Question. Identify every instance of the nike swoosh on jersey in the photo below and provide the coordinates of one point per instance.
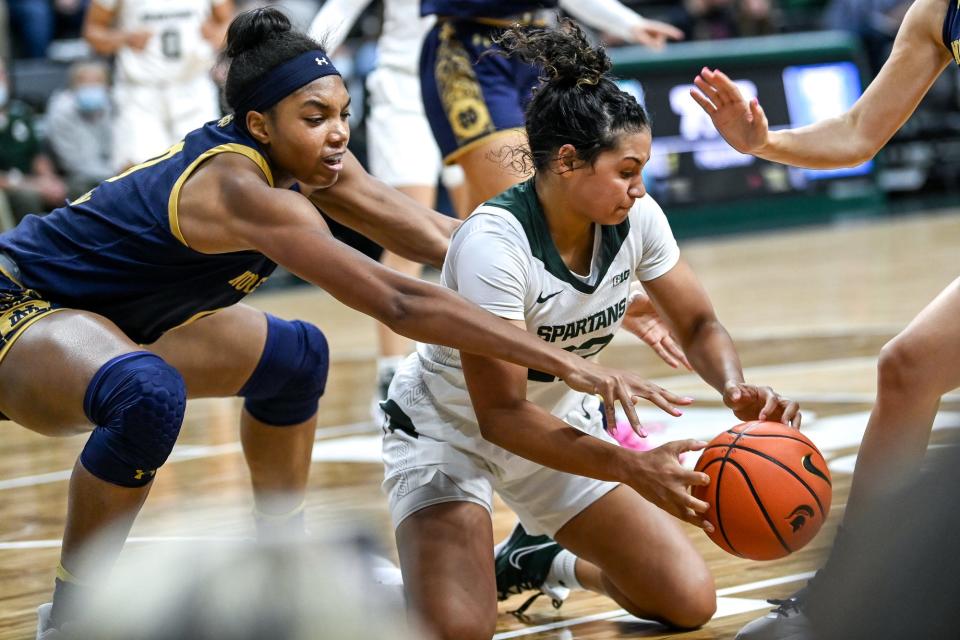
(542, 298)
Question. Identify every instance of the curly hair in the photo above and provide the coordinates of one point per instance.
(577, 101)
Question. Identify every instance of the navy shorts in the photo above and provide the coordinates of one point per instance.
(467, 95)
(19, 307)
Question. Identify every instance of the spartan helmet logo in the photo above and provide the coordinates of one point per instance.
(798, 517)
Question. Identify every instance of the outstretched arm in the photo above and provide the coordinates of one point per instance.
(284, 226)
(918, 57)
(612, 16)
(332, 23)
(682, 300)
(393, 220)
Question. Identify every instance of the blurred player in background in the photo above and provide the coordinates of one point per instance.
(921, 363)
(400, 146)
(165, 51)
(555, 255)
(475, 101)
(331, 586)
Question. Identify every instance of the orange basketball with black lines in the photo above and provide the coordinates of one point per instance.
(769, 490)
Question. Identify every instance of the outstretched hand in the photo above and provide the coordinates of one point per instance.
(619, 386)
(742, 124)
(658, 476)
(751, 402)
(654, 34)
(643, 321)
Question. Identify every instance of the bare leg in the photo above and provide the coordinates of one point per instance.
(279, 459)
(915, 368)
(216, 356)
(446, 556)
(101, 512)
(640, 556)
(487, 169)
(70, 347)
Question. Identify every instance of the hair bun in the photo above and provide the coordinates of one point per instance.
(564, 52)
(253, 28)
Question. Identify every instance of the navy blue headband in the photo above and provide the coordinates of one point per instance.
(283, 80)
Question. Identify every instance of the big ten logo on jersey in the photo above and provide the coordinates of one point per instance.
(620, 278)
(247, 282)
(955, 48)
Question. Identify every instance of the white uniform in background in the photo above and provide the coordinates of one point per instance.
(164, 91)
(400, 144)
(503, 259)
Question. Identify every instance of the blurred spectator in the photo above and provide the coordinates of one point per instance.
(875, 22)
(165, 51)
(69, 17)
(32, 22)
(4, 32)
(706, 19)
(79, 127)
(28, 180)
(758, 18)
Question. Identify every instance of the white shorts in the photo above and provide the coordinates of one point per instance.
(151, 119)
(400, 143)
(422, 471)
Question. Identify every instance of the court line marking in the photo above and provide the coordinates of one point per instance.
(192, 452)
(55, 544)
(607, 615)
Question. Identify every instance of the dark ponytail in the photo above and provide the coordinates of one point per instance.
(577, 101)
(257, 41)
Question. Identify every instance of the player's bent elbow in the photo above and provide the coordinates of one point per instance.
(487, 424)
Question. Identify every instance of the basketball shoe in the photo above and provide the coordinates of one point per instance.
(787, 622)
(522, 563)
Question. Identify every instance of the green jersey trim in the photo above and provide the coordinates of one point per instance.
(521, 201)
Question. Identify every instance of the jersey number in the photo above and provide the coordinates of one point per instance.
(591, 347)
(170, 44)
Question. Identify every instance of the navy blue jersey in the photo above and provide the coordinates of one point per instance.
(951, 30)
(483, 8)
(118, 250)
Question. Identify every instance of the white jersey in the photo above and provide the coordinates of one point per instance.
(177, 50)
(401, 36)
(503, 259)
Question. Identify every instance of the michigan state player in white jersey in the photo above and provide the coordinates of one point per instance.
(165, 51)
(556, 255)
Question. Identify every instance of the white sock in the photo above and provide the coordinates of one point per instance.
(562, 571)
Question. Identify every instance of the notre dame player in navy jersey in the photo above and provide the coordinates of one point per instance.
(122, 253)
(475, 101)
(922, 362)
(183, 237)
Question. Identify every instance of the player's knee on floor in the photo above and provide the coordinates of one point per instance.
(291, 376)
(136, 402)
(468, 626)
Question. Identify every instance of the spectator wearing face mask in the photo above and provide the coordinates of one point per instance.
(28, 181)
(79, 127)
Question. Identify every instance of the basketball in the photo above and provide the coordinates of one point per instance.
(769, 490)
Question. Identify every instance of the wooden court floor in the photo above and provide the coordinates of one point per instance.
(808, 309)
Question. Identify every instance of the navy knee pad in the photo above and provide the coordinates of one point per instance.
(136, 402)
(291, 376)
